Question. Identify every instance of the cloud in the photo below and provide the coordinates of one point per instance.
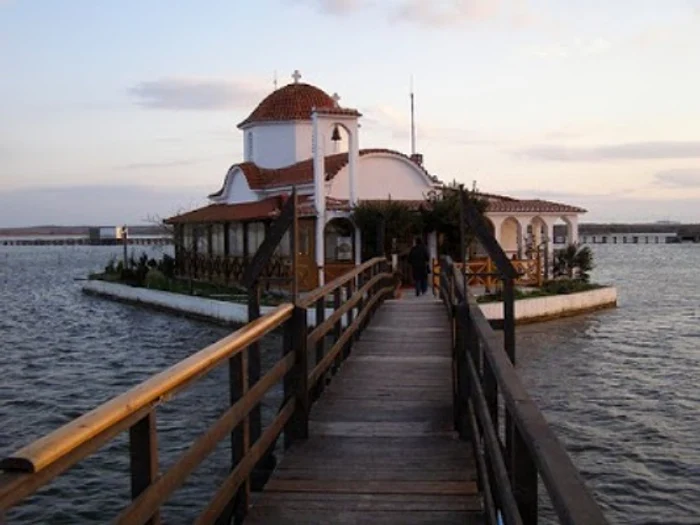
(434, 13)
(161, 164)
(445, 13)
(627, 151)
(398, 123)
(336, 7)
(679, 178)
(198, 93)
(578, 48)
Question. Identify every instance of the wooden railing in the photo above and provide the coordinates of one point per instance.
(483, 272)
(356, 296)
(512, 440)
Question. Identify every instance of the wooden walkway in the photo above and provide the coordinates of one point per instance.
(381, 447)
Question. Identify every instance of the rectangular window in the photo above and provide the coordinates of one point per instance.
(202, 239)
(284, 249)
(235, 239)
(187, 237)
(217, 239)
(256, 236)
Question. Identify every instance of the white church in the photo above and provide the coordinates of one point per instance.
(300, 136)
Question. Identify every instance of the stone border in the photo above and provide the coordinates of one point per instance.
(200, 308)
(540, 309)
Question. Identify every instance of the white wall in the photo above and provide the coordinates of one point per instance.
(539, 308)
(303, 139)
(238, 189)
(200, 307)
(381, 175)
(274, 145)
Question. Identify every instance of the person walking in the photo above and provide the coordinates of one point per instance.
(418, 259)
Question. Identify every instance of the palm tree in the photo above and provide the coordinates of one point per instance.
(574, 262)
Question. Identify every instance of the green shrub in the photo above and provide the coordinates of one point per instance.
(156, 280)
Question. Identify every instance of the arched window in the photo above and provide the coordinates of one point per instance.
(340, 239)
(250, 147)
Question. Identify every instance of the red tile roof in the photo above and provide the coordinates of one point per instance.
(302, 172)
(264, 209)
(510, 205)
(294, 102)
(269, 208)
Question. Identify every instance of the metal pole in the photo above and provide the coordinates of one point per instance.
(462, 237)
(295, 247)
(126, 242)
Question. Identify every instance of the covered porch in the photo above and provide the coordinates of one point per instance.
(215, 244)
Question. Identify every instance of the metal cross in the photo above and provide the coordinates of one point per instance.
(296, 76)
(336, 98)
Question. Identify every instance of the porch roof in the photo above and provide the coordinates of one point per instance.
(510, 205)
(245, 211)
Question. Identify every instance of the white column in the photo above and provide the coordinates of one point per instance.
(432, 245)
(523, 222)
(497, 224)
(353, 161)
(572, 229)
(319, 195)
(550, 235)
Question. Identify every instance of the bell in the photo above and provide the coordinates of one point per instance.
(336, 134)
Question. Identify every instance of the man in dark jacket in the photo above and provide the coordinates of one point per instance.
(419, 258)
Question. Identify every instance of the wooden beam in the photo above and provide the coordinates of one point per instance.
(267, 248)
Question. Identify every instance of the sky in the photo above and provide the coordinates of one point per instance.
(125, 111)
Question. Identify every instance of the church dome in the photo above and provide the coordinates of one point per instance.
(291, 102)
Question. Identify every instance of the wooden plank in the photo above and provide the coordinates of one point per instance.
(458, 488)
(364, 517)
(299, 501)
(381, 446)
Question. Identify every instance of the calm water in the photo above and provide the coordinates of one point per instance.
(619, 387)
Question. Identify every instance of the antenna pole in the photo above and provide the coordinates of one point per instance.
(413, 121)
(275, 80)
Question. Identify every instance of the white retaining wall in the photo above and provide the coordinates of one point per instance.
(218, 311)
(554, 306)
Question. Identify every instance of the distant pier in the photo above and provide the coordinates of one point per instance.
(86, 236)
(84, 241)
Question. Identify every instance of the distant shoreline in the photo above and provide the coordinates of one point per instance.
(63, 231)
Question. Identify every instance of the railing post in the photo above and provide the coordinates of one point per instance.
(238, 382)
(143, 446)
(296, 382)
(266, 465)
(350, 291)
(321, 344)
(523, 476)
(337, 329)
(361, 302)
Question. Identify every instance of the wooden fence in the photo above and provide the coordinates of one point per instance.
(355, 296)
(513, 442)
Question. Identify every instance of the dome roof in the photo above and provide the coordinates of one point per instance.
(291, 102)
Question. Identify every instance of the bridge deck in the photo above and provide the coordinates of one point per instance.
(381, 447)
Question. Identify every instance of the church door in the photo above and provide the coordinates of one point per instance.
(307, 272)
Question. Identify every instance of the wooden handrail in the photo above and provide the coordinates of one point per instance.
(323, 366)
(35, 465)
(323, 328)
(156, 494)
(52, 447)
(323, 291)
(571, 499)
